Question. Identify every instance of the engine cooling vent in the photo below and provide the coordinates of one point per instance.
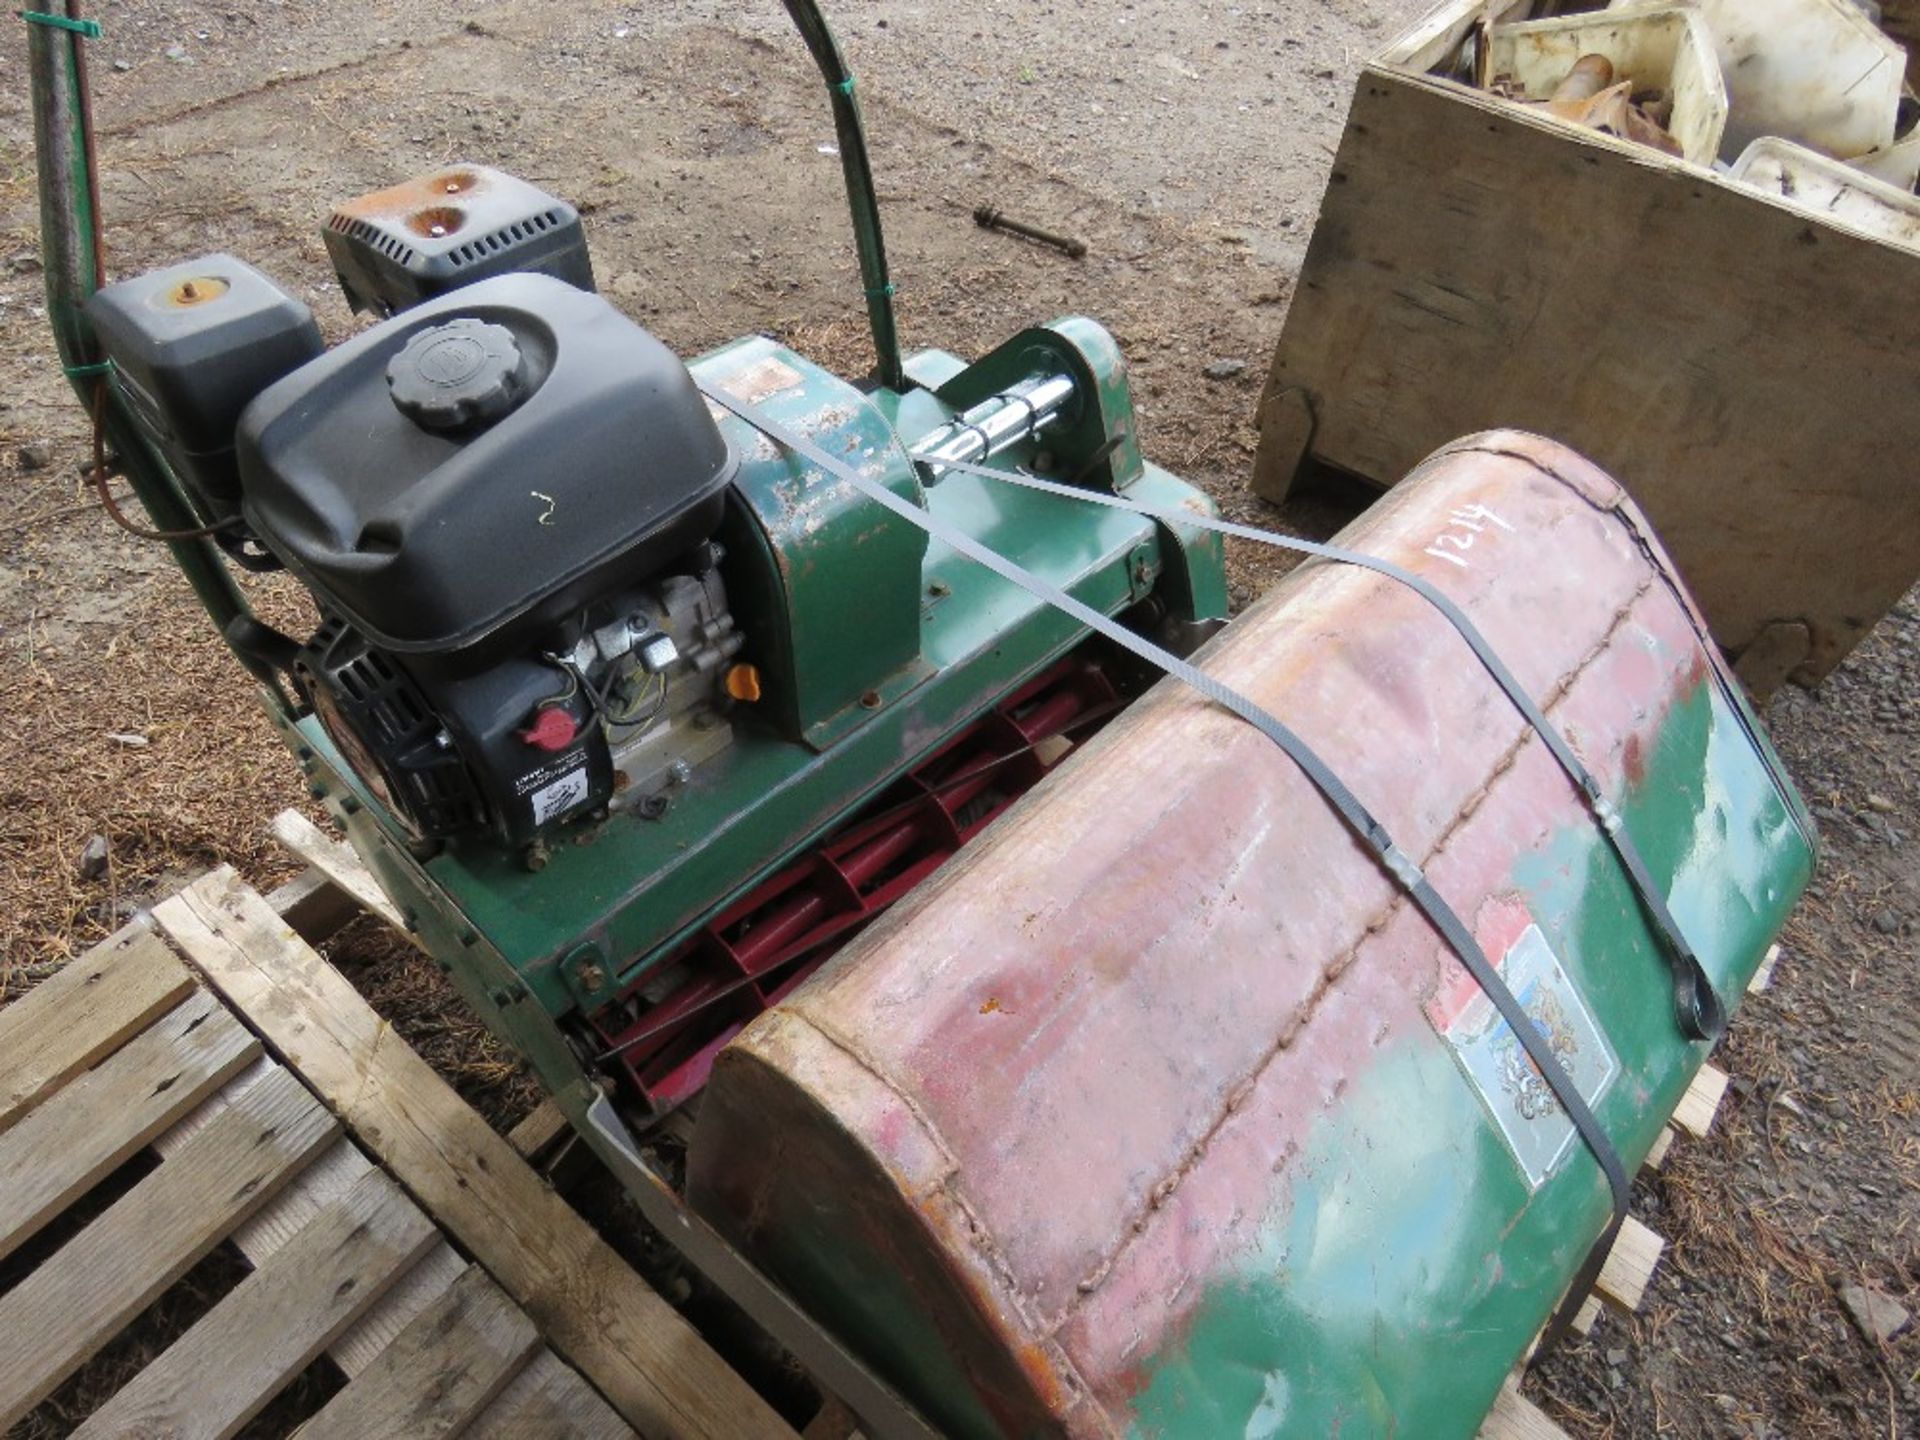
(365, 232)
(504, 240)
(388, 733)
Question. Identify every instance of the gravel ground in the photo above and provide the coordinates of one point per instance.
(1188, 143)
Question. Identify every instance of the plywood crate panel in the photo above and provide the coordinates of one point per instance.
(1744, 367)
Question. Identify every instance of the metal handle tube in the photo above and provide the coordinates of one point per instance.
(861, 199)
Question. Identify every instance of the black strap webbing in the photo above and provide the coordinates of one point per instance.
(1397, 863)
(1697, 1007)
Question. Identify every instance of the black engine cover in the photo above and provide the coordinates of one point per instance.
(526, 474)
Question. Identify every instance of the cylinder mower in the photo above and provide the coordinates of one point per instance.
(756, 745)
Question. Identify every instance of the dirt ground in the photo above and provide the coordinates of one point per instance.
(1188, 142)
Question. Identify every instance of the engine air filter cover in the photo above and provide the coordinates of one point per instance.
(591, 458)
(396, 247)
(191, 345)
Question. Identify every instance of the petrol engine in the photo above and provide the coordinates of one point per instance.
(503, 500)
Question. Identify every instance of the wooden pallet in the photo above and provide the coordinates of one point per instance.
(125, 1050)
(128, 1051)
(649, 1362)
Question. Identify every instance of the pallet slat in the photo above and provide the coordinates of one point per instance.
(225, 1370)
(90, 1126)
(1587, 1316)
(337, 863)
(1697, 1108)
(52, 1321)
(107, 995)
(438, 1373)
(1624, 1278)
(1514, 1417)
(538, 1129)
(547, 1401)
(370, 1335)
(648, 1361)
(328, 1177)
(1662, 1143)
(335, 877)
(1630, 1265)
(336, 1171)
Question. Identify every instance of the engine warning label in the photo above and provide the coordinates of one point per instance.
(556, 787)
(1530, 1119)
(559, 797)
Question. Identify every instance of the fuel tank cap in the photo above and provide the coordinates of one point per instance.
(465, 372)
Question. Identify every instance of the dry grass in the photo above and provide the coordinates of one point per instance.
(185, 787)
(127, 717)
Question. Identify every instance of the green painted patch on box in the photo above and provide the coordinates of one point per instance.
(1405, 1263)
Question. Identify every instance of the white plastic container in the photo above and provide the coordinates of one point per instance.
(1658, 47)
(1830, 189)
(1816, 71)
(1898, 164)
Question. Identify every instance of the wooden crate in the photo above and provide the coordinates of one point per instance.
(1744, 368)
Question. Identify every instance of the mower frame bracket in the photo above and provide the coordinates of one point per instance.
(883, 1413)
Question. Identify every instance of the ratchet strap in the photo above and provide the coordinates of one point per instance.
(1697, 1008)
(1405, 871)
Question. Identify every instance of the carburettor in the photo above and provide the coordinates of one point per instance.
(664, 692)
